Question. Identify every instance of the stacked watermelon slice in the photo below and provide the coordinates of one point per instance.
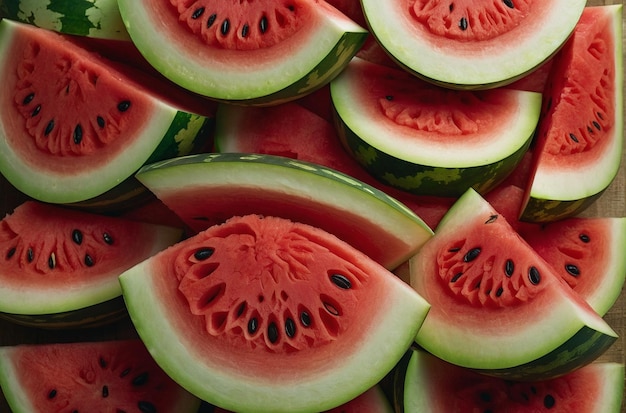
(377, 206)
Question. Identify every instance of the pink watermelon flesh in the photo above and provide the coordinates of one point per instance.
(274, 307)
(444, 387)
(113, 376)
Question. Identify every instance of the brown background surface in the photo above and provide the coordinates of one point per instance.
(612, 203)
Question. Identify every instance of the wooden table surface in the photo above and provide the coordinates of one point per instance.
(612, 203)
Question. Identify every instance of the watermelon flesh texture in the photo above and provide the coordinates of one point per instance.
(58, 260)
(75, 125)
(580, 138)
(304, 312)
(433, 386)
(111, 376)
(248, 53)
(487, 287)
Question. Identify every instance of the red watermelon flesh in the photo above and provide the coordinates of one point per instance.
(112, 376)
(434, 386)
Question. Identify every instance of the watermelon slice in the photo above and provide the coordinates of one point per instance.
(469, 44)
(241, 184)
(430, 140)
(434, 386)
(580, 138)
(262, 314)
(497, 306)
(74, 125)
(258, 53)
(60, 266)
(109, 376)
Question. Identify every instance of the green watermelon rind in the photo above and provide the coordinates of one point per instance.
(555, 195)
(572, 333)
(415, 395)
(490, 64)
(229, 386)
(311, 183)
(305, 70)
(93, 18)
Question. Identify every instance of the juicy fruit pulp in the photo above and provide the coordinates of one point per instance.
(299, 308)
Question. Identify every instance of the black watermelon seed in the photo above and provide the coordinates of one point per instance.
(534, 276)
(30, 254)
(36, 111)
(597, 125)
(600, 115)
(107, 238)
(211, 20)
(272, 332)
(305, 319)
(492, 218)
(244, 30)
(105, 391)
(455, 249)
(100, 121)
(508, 3)
(52, 394)
(89, 260)
(225, 27)
(263, 24)
(549, 401)
(591, 131)
(389, 97)
(52, 261)
(125, 372)
(29, 98)
(77, 236)
(241, 309)
(141, 379)
(584, 238)
(49, 128)
(341, 281)
(456, 277)
(509, 268)
(253, 324)
(572, 269)
(290, 328)
(146, 407)
(472, 254)
(451, 7)
(78, 134)
(573, 137)
(123, 106)
(11, 252)
(197, 13)
(203, 253)
(463, 23)
(499, 292)
(102, 362)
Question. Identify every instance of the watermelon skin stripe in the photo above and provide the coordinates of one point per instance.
(93, 18)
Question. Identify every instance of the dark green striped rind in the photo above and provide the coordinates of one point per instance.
(581, 349)
(92, 18)
(427, 179)
(100, 314)
(548, 210)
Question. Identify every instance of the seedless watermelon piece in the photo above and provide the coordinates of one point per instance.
(430, 140)
(467, 44)
(94, 18)
(269, 315)
(74, 125)
(434, 386)
(207, 189)
(250, 52)
(109, 376)
(580, 137)
(60, 266)
(497, 306)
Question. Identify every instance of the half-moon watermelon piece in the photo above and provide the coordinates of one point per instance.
(263, 314)
(75, 125)
(207, 189)
(107, 376)
(497, 306)
(249, 52)
(60, 266)
(579, 141)
(470, 44)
